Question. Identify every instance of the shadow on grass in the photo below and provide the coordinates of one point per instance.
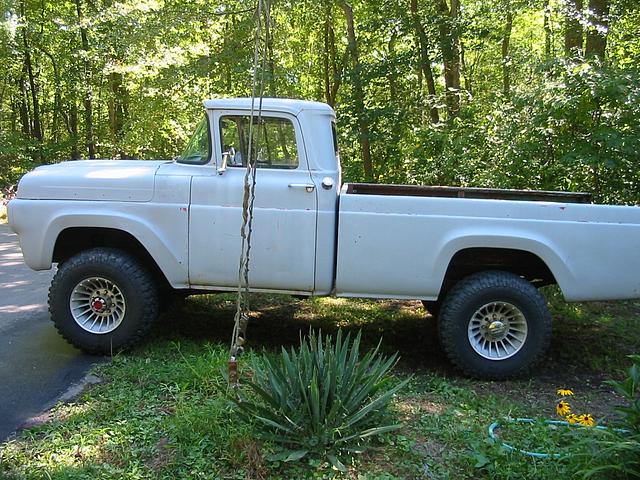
(280, 321)
(595, 338)
(591, 339)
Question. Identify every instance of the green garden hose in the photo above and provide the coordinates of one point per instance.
(496, 425)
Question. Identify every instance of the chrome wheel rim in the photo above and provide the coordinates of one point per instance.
(497, 330)
(97, 305)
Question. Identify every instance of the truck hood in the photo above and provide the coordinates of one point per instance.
(115, 180)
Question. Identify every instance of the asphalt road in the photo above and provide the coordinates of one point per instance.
(36, 365)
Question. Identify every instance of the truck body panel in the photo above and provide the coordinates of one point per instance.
(413, 239)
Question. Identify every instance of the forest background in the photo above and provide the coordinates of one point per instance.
(541, 94)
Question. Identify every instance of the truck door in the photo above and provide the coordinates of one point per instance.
(283, 244)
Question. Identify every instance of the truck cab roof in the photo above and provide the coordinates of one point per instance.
(286, 105)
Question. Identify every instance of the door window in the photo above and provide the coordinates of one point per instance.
(274, 141)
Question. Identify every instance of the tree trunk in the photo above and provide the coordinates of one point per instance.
(547, 29)
(425, 61)
(325, 64)
(118, 100)
(25, 121)
(598, 18)
(118, 106)
(466, 71)
(506, 59)
(573, 28)
(358, 91)
(391, 69)
(88, 93)
(36, 124)
(73, 127)
(271, 64)
(225, 70)
(2, 93)
(57, 97)
(332, 69)
(15, 111)
(450, 46)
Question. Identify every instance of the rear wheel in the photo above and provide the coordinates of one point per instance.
(103, 300)
(494, 325)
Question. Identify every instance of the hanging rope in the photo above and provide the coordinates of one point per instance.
(241, 319)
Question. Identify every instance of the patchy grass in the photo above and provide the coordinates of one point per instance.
(162, 411)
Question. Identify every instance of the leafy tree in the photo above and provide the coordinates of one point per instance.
(524, 93)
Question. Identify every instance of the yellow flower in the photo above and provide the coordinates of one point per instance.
(564, 392)
(563, 408)
(586, 419)
(572, 418)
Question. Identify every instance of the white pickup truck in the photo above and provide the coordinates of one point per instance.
(125, 234)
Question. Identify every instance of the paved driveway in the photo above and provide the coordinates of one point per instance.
(36, 364)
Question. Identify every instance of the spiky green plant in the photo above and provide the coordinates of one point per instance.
(322, 400)
(629, 389)
(616, 454)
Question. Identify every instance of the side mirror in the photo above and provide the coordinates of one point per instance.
(223, 167)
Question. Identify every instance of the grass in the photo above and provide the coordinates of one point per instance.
(161, 412)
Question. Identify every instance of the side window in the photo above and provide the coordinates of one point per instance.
(334, 134)
(274, 141)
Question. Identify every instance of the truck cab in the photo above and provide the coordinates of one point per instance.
(298, 173)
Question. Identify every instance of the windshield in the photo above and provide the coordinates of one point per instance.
(198, 150)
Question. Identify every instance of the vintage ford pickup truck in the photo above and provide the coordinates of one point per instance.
(125, 234)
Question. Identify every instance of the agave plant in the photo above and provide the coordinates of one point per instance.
(322, 399)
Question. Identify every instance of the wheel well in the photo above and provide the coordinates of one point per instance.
(76, 239)
(520, 262)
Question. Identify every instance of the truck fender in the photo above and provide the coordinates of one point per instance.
(541, 247)
(39, 232)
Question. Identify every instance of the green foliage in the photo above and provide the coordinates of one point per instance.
(16, 152)
(322, 400)
(617, 454)
(565, 123)
(629, 389)
(613, 456)
(574, 129)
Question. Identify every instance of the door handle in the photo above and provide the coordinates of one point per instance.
(309, 187)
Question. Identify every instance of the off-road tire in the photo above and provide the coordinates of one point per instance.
(134, 281)
(479, 289)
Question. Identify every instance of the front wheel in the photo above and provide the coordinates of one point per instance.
(103, 300)
(494, 325)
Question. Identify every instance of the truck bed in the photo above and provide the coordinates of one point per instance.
(467, 192)
(399, 245)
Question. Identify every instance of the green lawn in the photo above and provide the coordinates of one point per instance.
(162, 410)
